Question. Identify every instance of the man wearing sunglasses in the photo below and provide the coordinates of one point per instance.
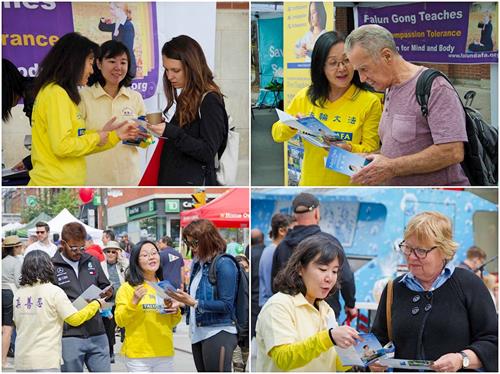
(43, 243)
(75, 272)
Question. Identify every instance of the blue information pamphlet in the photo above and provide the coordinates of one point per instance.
(345, 162)
(315, 126)
(369, 350)
(363, 352)
(310, 128)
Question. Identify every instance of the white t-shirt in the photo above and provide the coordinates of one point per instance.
(39, 314)
(50, 249)
(199, 333)
(73, 264)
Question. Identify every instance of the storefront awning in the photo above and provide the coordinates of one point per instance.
(229, 210)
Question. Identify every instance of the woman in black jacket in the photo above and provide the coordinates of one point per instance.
(198, 130)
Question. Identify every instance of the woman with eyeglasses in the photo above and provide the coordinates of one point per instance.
(338, 99)
(211, 312)
(147, 315)
(438, 312)
(41, 310)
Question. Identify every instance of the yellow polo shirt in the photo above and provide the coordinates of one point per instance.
(355, 115)
(119, 166)
(60, 140)
(286, 319)
(148, 332)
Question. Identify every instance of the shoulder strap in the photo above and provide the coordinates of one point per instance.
(201, 101)
(424, 85)
(212, 270)
(388, 308)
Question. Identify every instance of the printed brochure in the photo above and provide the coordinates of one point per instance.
(92, 292)
(310, 128)
(368, 351)
(345, 162)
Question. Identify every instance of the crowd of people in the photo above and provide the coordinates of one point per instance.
(86, 120)
(439, 311)
(139, 290)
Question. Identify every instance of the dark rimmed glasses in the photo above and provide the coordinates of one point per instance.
(419, 253)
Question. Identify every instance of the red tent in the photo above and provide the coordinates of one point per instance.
(229, 210)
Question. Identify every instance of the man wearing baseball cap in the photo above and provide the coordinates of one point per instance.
(305, 208)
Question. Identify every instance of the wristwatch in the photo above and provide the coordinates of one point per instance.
(465, 360)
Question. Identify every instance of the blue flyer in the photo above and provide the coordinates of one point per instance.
(315, 126)
(345, 162)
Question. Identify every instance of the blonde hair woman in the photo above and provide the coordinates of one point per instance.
(439, 312)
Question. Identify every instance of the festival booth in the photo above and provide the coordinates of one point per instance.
(56, 224)
(229, 210)
(9, 228)
(23, 231)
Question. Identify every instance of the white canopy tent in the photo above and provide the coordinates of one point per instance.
(10, 227)
(56, 224)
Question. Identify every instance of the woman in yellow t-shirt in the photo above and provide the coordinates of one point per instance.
(296, 328)
(60, 139)
(109, 94)
(147, 317)
(339, 100)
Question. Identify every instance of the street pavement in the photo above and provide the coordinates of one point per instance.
(183, 358)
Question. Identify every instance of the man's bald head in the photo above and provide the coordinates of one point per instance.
(256, 237)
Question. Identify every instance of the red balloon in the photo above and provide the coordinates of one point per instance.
(86, 194)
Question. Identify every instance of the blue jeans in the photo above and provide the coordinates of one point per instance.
(94, 351)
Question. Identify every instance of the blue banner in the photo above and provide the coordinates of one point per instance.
(270, 60)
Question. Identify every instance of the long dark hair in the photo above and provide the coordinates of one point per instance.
(320, 9)
(210, 242)
(289, 280)
(134, 275)
(110, 49)
(37, 267)
(319, 89)
(13, 87)
(65, 63)
(198, 76)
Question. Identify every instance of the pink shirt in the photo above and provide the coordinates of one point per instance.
(404, 131)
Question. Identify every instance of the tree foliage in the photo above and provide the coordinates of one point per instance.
(52, 202)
